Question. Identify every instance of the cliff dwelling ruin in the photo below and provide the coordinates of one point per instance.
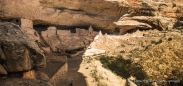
(73, 42)
(59, 46)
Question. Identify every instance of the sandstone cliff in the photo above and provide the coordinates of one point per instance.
(101, 14)
(20, 53)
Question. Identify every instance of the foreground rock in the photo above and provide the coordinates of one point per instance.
(3, 70)
(22, 82)
(19, 52)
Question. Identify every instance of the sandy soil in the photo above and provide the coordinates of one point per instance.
(105, 77)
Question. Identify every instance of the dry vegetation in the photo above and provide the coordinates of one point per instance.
(155, 56)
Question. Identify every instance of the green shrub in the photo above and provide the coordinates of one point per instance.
(154, 42)
(160, 41)
(169, 39)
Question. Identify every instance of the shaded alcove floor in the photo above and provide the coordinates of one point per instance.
(72, 77)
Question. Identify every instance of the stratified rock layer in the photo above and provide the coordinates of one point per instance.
(99, 13)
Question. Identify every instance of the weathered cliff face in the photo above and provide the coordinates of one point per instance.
(18, 52)
(153, 14)
(99, 13)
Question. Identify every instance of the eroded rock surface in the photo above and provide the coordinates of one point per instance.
(3, 70)
(22, 82)
(99, 13)
(158, 52)
(19, 52)
(152, 14)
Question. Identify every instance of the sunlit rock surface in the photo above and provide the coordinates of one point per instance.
(100, 13)
(158, 52)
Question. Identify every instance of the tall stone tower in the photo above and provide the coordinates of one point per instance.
(90, 30)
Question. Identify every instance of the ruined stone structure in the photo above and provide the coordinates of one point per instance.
(63, 32)
(23, 23)
(27, 25)
(59, 73)
(61, 40)
(52, 31)
(90, 30)
(83, 32)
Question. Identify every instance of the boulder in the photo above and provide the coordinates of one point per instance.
(22, 82)
(144, 23)
(21, 53)
(29, 74)
(2, 56)
(131, 24)
(36, 75)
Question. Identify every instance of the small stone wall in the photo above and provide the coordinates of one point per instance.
(63, 32)
(26, 23)
(59, 73)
